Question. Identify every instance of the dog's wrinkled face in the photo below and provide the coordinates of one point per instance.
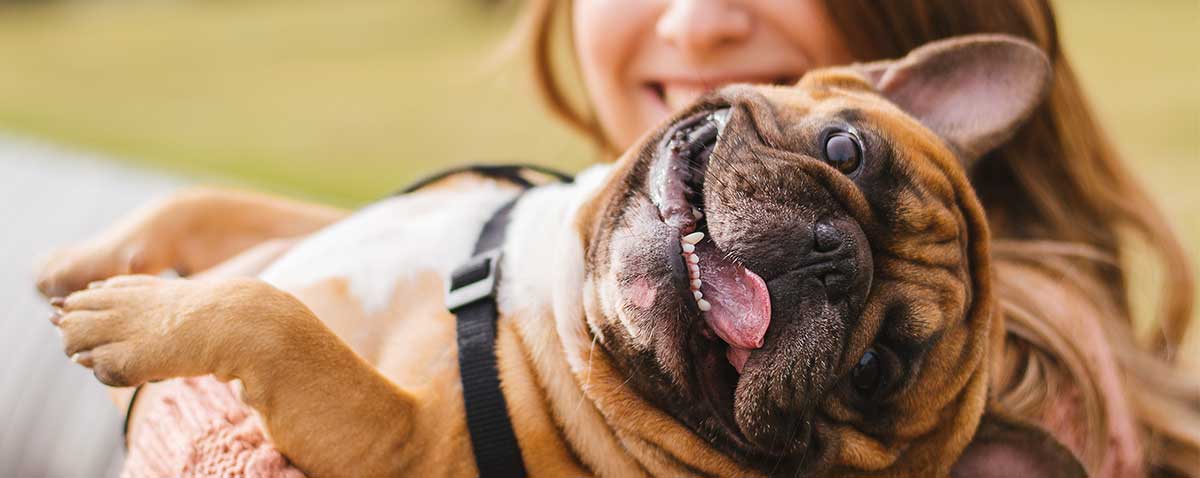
(799, 274)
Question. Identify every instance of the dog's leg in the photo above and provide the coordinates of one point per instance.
(189, 231)
(246, 264)
(326, 408)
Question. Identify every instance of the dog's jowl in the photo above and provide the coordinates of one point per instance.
(779, 281)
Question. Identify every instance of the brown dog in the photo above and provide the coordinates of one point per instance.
(779, 281)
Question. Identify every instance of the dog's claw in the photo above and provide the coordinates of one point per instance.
(83, 358)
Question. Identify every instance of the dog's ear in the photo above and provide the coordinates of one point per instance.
(973, 91)
(1005, 447)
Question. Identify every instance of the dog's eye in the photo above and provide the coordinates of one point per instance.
(842, 151)
(868, 375)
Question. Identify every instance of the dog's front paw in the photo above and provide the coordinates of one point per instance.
(134, 329)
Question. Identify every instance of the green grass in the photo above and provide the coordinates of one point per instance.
(345, 101)
(341, 101)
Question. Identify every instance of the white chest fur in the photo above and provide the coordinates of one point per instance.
(390, 241)
(436, 230)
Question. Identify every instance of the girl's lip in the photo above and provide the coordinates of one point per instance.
(715, 81)
(676, 93)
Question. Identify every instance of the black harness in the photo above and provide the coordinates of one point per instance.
(471, 296)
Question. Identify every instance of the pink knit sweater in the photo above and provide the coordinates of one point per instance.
(199, 428)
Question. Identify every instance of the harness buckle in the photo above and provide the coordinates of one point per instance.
(473, 281)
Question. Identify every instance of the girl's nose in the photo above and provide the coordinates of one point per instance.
(699, 28)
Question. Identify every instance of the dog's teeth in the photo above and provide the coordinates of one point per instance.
(694, 259)
(696, 284)
(697, 214)
(694, 269)
(697, 294)
(721, 117)
(704, 305)
(688, 248)
(693, 237)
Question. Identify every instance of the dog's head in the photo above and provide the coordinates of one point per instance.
(800, 274)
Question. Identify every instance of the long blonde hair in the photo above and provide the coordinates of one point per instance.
(1059, 199)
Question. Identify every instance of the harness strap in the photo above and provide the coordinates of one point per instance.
(472, 298)
(513, 173)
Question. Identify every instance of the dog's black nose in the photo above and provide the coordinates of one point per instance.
(837, 256)
(826, 237)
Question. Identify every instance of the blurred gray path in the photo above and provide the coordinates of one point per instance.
(55, 419)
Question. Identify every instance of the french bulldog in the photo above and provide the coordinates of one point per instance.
(778, 281)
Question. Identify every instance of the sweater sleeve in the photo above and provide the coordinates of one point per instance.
(197, 427)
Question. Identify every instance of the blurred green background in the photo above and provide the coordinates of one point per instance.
(341, 101)
(345, 101)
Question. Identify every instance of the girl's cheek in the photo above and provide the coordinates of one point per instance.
(608, 35)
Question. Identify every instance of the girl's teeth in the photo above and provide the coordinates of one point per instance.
(697, 294)
(689, 248)
(696, 284)
(704, 305)
(694, 259)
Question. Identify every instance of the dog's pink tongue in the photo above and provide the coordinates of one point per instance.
(741, 305)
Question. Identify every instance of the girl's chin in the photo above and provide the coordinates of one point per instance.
(679, 96)
(653, 106)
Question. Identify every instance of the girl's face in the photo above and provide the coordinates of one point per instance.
(644, 59)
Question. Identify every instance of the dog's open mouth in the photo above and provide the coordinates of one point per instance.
(734, 215)
(731, 302)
